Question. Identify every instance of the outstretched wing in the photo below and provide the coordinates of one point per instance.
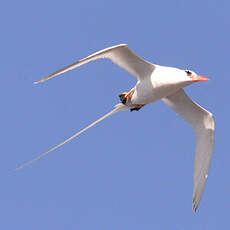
(121, 55)
(118, 107)
(204, 125)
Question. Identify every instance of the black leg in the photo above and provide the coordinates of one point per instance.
(134, 109)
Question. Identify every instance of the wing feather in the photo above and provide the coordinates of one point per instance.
(204, 125)
(121, 55)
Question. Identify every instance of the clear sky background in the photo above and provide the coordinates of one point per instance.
(134, 170)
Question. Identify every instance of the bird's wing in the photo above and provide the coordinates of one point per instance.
(121, 55)
(203, 123)
(118, 107)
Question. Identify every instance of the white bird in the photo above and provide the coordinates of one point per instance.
(156, 82)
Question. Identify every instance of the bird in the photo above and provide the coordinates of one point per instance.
(155, 82)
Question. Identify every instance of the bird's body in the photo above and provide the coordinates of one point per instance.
(158, 85)
(155, 82)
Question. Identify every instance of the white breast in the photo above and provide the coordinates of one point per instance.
(163, 82)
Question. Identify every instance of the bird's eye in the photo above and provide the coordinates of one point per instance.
(189, 73)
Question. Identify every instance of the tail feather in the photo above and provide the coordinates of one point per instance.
(118, 107)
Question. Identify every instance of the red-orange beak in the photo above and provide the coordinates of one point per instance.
(199, 78)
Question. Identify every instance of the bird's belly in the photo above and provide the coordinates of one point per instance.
(148, 92)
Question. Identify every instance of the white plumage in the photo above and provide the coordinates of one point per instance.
(156, 82)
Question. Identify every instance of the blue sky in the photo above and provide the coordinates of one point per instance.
(134, 170)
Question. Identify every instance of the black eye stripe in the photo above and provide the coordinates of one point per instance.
(188, 72)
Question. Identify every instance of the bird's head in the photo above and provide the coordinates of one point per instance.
(192, 76)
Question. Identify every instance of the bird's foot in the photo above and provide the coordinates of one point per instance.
(126, 97)
(138, 107)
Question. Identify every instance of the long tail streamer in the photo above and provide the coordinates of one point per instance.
(118, 107)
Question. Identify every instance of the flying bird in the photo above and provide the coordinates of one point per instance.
(155, 82)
